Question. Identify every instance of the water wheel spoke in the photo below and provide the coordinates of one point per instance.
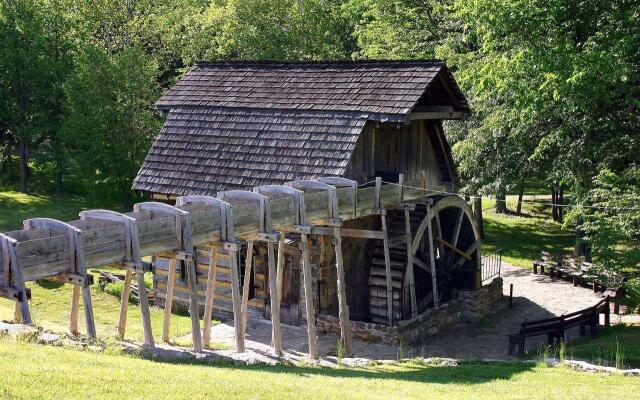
(466, 255)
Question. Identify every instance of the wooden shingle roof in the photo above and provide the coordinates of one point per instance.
(242, 124)
(204, 150)
(377, 87)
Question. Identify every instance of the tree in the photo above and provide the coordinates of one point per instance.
(268, 30)
(612, 227)
(23, 77)
(110, 121)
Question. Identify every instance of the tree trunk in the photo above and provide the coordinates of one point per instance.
(501, 202)
(560, 202)
(24, 164)
(58, 179)
(554, 201)
(520, 195)
(477, 212)
(582, 247)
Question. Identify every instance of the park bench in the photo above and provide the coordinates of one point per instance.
(548, 261)
(556, 327)
(571, 267)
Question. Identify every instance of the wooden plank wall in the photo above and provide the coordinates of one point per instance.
(378, 148)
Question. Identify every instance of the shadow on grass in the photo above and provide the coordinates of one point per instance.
(465, 373)
(524, 240)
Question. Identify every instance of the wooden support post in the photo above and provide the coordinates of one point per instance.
(400, 188)
(226, 234)
(211, 290)
(77, 266)
(308, 297)
(343, 312)
(304, 230)
(280, 269)
(75, 310)
(387, 266)
(168, 301)
(185, 249)
(411, 277)
(432, 257)
(124, 304)
(194, 307)
(142, 293)
(276, 341)
(334, 221)
(81, 268)
(12, 271)
(132, 260)
(235, 295)
(246, 284)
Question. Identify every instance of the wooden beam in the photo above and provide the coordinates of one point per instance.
(387, 268)
(142, 294)
(437, 115)
(75, 310)
(343, 307)
(456, 229)
(432, 257)
(168, 302)
(211, 290)
(467, 255)
(452, 247)
(124, 304)
(245, 286)
(236, 301)
(308, 297)
(276, 341)
(348, 232)
(411, 277)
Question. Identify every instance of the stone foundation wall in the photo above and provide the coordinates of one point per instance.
(470, 306)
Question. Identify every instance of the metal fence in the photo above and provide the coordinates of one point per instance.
(491, 265)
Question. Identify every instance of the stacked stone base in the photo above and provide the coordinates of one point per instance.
(470, 306)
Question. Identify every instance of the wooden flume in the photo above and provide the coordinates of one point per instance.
(49, 249)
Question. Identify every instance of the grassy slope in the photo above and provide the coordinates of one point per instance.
(50, 302)
(17, 207)
(40, 372)
(522, 237)
(602, 350)
(50, 306)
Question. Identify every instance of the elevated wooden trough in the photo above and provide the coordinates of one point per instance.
(55, 250)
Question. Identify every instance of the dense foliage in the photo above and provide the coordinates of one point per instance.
(554, 86)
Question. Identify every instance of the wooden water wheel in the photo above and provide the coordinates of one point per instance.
(456, 257)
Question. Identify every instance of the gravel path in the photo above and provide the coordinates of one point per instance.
(535, 297)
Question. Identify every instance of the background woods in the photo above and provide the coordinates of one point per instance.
(554, 86)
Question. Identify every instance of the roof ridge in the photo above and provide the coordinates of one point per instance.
(337, 62)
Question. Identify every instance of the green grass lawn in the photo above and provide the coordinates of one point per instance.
(46, 372)
(17, 207)
(522, 237)
(621, 339)
(50, 306)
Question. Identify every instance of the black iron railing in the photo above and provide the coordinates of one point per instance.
(491, 265)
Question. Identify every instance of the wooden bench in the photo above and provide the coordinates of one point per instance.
(556, 327)
(549, 327)
(547, 260)
(571, 267)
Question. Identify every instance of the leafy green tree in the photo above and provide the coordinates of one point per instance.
(612, 227)
(398, 29)
(23, 77)
(110, 121)
(270, 30)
